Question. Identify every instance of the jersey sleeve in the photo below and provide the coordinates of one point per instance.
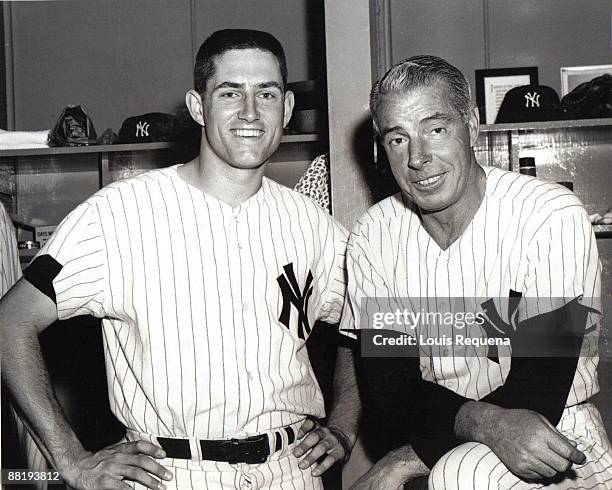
(334, 291)
(10, 269)
(562, 265)
(559, 317)
(71, 267)
(366, 286)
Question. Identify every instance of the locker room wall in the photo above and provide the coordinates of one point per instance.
(476, 34)
(119, 58)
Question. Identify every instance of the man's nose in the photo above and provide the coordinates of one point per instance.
(420, 154)
(248, 111)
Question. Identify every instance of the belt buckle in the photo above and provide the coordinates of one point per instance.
(231, 447)
(258, 449)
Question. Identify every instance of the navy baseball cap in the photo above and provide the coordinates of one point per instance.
(529, 103)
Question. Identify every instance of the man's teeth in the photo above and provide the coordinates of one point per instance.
(247, 133)
(430, 181)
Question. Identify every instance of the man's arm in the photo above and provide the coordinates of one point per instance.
(338, 437)
(24, 313)
(395, 469)
(528, 444)
(528, 386)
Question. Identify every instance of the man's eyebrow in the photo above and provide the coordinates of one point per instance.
(438, 116)
(392, 130)
(271, 84)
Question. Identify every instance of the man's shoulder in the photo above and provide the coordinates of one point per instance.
(391, 209)
(133, 185)
(531, 196)
(298, 203)
(143, 178)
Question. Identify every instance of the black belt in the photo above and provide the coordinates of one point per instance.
(252, 450)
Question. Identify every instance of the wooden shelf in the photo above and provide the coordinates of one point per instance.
(72, 150)
(544, 125)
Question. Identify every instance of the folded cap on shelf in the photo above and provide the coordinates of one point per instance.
(529, 103)
(148, 128)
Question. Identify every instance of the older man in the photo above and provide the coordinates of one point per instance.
(208, 278)
(478, 419)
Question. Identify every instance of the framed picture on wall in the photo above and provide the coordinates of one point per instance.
(572, 76)
(493, 84)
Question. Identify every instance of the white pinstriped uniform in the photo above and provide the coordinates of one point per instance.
(188, 290)
(528, 236)
(10, 272)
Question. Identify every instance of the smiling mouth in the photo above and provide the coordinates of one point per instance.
(247, 133)
(429, 181)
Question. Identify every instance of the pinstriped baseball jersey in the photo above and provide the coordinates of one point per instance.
(527, 236)
(10, 270)
(205, 307)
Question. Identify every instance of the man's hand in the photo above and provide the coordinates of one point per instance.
(106, 469)
(394, 470)
(319, 441)
(526, 442)
(531, 447)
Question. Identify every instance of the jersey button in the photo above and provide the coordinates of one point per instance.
(245, 307)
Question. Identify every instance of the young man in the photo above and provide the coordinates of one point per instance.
(208, 277)
(460, 230)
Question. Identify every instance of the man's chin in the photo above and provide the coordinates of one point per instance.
(431, 205)
(249, 163)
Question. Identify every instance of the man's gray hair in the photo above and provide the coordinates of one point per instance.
(422, 71)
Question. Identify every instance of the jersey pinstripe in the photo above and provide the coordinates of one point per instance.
(10, 270)
(200, 338)
(527, 235)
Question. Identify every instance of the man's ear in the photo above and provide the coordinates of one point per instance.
(289, 104)
(193, 101)
(474, 125)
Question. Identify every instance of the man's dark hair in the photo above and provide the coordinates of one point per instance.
(227, 39)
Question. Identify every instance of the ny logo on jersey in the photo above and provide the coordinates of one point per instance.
(142, 129)
(293, 296)
(494, 326)
(533, 99)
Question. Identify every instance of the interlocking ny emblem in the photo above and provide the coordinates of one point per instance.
(142, 129)
(533, 99)
(293, 296)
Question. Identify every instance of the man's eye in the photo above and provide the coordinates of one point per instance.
(438, 131)
(267, 95)
(396, 141)
(229, 95)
